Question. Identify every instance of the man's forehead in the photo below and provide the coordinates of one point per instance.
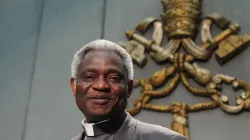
(102, 56)
(102, 51)
(106, 70)
(102, 59)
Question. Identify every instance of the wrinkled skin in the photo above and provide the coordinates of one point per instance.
(102, 86)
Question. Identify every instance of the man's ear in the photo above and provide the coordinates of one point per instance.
(73, 86)
(130, 87)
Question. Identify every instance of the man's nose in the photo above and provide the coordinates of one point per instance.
(101, 85)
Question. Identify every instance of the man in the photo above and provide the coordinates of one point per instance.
(102, 80)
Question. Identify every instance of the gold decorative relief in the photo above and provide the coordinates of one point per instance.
(181, 21)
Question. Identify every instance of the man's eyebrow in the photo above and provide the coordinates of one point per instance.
(88, 70)
(109, 70)
(114, 70)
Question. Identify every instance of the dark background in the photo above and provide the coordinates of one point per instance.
(38, 39)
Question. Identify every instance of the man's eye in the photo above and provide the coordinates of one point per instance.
(88, 78)
(115, 78)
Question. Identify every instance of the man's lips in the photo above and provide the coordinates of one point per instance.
(100, 101)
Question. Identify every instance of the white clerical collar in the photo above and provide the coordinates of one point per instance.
(89, 127)
(109, 126)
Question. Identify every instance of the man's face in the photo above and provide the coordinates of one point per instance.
(102, 85)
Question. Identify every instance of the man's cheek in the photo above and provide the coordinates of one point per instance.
(120, 89)
(80, 99)
(81, 91)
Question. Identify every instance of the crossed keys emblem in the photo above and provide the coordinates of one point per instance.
(181, 20)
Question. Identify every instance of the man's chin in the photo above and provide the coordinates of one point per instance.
(100, 111)
(100, 114)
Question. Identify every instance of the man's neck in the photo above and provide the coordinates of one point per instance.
(97, 119)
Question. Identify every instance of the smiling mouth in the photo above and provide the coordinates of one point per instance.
(100, 101)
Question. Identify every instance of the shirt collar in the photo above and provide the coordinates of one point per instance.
(89, 127)
(109, 126)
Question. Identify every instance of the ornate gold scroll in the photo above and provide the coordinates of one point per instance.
(180, 21)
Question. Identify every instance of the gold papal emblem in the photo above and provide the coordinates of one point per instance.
(181, 21)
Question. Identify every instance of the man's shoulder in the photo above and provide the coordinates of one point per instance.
(77, 137)
(147, 131)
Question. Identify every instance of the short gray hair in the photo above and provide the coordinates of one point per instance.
(104, 45)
